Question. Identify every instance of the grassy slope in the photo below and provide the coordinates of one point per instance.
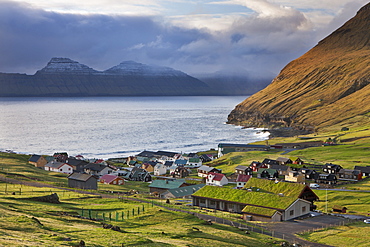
(18, 228)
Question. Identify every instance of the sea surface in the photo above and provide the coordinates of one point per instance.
(109, 127)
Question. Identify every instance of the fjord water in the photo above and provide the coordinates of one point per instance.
(105, 127)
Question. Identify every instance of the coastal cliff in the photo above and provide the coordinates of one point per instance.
(329, 84)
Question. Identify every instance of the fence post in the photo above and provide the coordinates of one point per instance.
(133, 212)
(82, 212)
(117, 214)
(143, 207)
(103, 216)
(89, 213)
(122, 216)
(110, 216)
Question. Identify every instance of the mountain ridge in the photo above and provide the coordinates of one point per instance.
(66, 77)
(325, 86)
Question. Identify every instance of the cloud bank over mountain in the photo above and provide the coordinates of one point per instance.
(261, 37)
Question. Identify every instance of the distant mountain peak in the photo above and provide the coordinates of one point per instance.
(61, 65)
(135, 68)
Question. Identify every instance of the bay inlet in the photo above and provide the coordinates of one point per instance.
(106, 127)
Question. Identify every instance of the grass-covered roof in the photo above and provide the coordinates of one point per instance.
(285, 188)
(258, 210)
(259, 198)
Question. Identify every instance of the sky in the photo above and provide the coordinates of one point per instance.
(256, 37)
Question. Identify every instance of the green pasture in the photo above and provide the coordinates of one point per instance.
(342, 236)
(356, 202)
(25, 222)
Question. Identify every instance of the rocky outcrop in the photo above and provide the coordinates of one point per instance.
(327, 85)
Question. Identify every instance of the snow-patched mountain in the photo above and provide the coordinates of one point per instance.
(61, 65)
(134, 69)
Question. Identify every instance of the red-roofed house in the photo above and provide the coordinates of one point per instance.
(241, 180)
(112, 179)
(217, 179)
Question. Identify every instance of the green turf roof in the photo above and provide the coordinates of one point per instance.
(258, 210)
(287, 189)
(246, 197)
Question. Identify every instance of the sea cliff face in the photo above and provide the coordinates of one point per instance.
(327, 85)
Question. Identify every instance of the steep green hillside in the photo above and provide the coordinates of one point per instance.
(329, 84)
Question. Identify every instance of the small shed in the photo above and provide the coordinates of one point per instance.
(339, 209)
(82, 181)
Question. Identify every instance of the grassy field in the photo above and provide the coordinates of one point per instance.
(343, 236)
(24, 222)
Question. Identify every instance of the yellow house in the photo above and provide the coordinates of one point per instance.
(38, 161)
(295, 177)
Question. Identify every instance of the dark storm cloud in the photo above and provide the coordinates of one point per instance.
(260, 42)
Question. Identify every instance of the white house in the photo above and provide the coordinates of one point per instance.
(159, 169)
(217, 179)
(55, 166)
(194, 162)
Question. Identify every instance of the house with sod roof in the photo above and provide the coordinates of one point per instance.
(261, 200)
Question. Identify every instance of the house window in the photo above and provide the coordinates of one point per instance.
(202, 201)
(291, 212)
(304, 209)
(60, 169)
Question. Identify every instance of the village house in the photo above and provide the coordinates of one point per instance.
(160, 169)
(270, 162)
(82, 181)
(331, 168)
(180, 162)
(267, 173)
(37, 161)
(256, 165)
(281, 169)
(265, 200)
(297, 145)
(168, 164)
(182, 192)
(244, 170)
(284, 161)
(61, 157)
(326, 178)
(97, 169)
(111, 179)
(308, 173)
(206, 158)
(194, 162)
(349, 175)
(294, 177)
(216, 179)
(225, 148)
(241, 180)
(180, 172)
(365, 170)
(297, 161)
(78, 165)
(159, 186)
(138, 174)
(204, 170)
(148, 166)
(55, 166)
